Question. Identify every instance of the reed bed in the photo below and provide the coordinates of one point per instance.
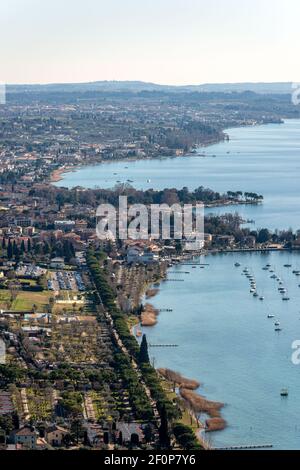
(199, 404)
(178, 379)
(149, 315)
(151, 293)
(215, 424)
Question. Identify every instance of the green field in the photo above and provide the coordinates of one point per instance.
(25, 300)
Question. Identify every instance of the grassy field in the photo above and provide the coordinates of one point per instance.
(25, 300)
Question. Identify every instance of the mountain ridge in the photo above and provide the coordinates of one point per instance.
(136, 86)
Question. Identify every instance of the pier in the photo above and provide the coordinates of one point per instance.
(163, 345)
(179, 272)
(194, 264)
(246, 447)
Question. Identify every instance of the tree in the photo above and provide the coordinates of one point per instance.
(16, 251)
(143, 354)
(22, 247)
(164, 436)
(263, 236)
(9, 250)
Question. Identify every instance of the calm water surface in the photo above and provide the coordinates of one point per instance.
(225, 339)
(227, 343)
(264, 159)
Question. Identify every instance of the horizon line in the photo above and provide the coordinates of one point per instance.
(148, 83)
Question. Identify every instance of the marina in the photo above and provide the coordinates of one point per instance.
(222, 319)
(215, 322)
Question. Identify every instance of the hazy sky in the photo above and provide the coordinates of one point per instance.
(162, 41)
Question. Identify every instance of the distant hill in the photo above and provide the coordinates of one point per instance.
(137, 87)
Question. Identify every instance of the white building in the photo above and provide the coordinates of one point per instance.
(139, 256)
(2, 352)
(57, 263)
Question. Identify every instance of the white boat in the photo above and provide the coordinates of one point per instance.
(271, 315)
(284, 392)
(277, 323)
(262, 298)
(237, 265)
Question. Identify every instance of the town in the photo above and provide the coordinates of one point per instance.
(72, 373)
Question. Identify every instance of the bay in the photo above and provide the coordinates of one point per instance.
(263, 159)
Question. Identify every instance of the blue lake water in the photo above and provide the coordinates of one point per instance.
(263, 159)
(225, 339)
(227, 343)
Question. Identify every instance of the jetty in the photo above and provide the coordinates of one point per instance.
(245, 447)
(163, 345)
(194, 264)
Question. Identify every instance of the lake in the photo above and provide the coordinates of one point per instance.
(227, 342)
(263, 159)
(224, 337)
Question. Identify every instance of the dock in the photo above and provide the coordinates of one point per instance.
(163, 345)
(194, 264)
(246, 447)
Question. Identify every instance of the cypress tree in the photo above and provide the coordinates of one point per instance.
(15, 250)
(164, 436)
(23, 247)
(9, 250)
(143, 355)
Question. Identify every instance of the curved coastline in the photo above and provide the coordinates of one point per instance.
(197, 153)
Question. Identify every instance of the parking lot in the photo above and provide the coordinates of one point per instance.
(66, 280)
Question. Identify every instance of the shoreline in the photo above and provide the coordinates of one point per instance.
(190, 153)
(214, 421)
(195, 404)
